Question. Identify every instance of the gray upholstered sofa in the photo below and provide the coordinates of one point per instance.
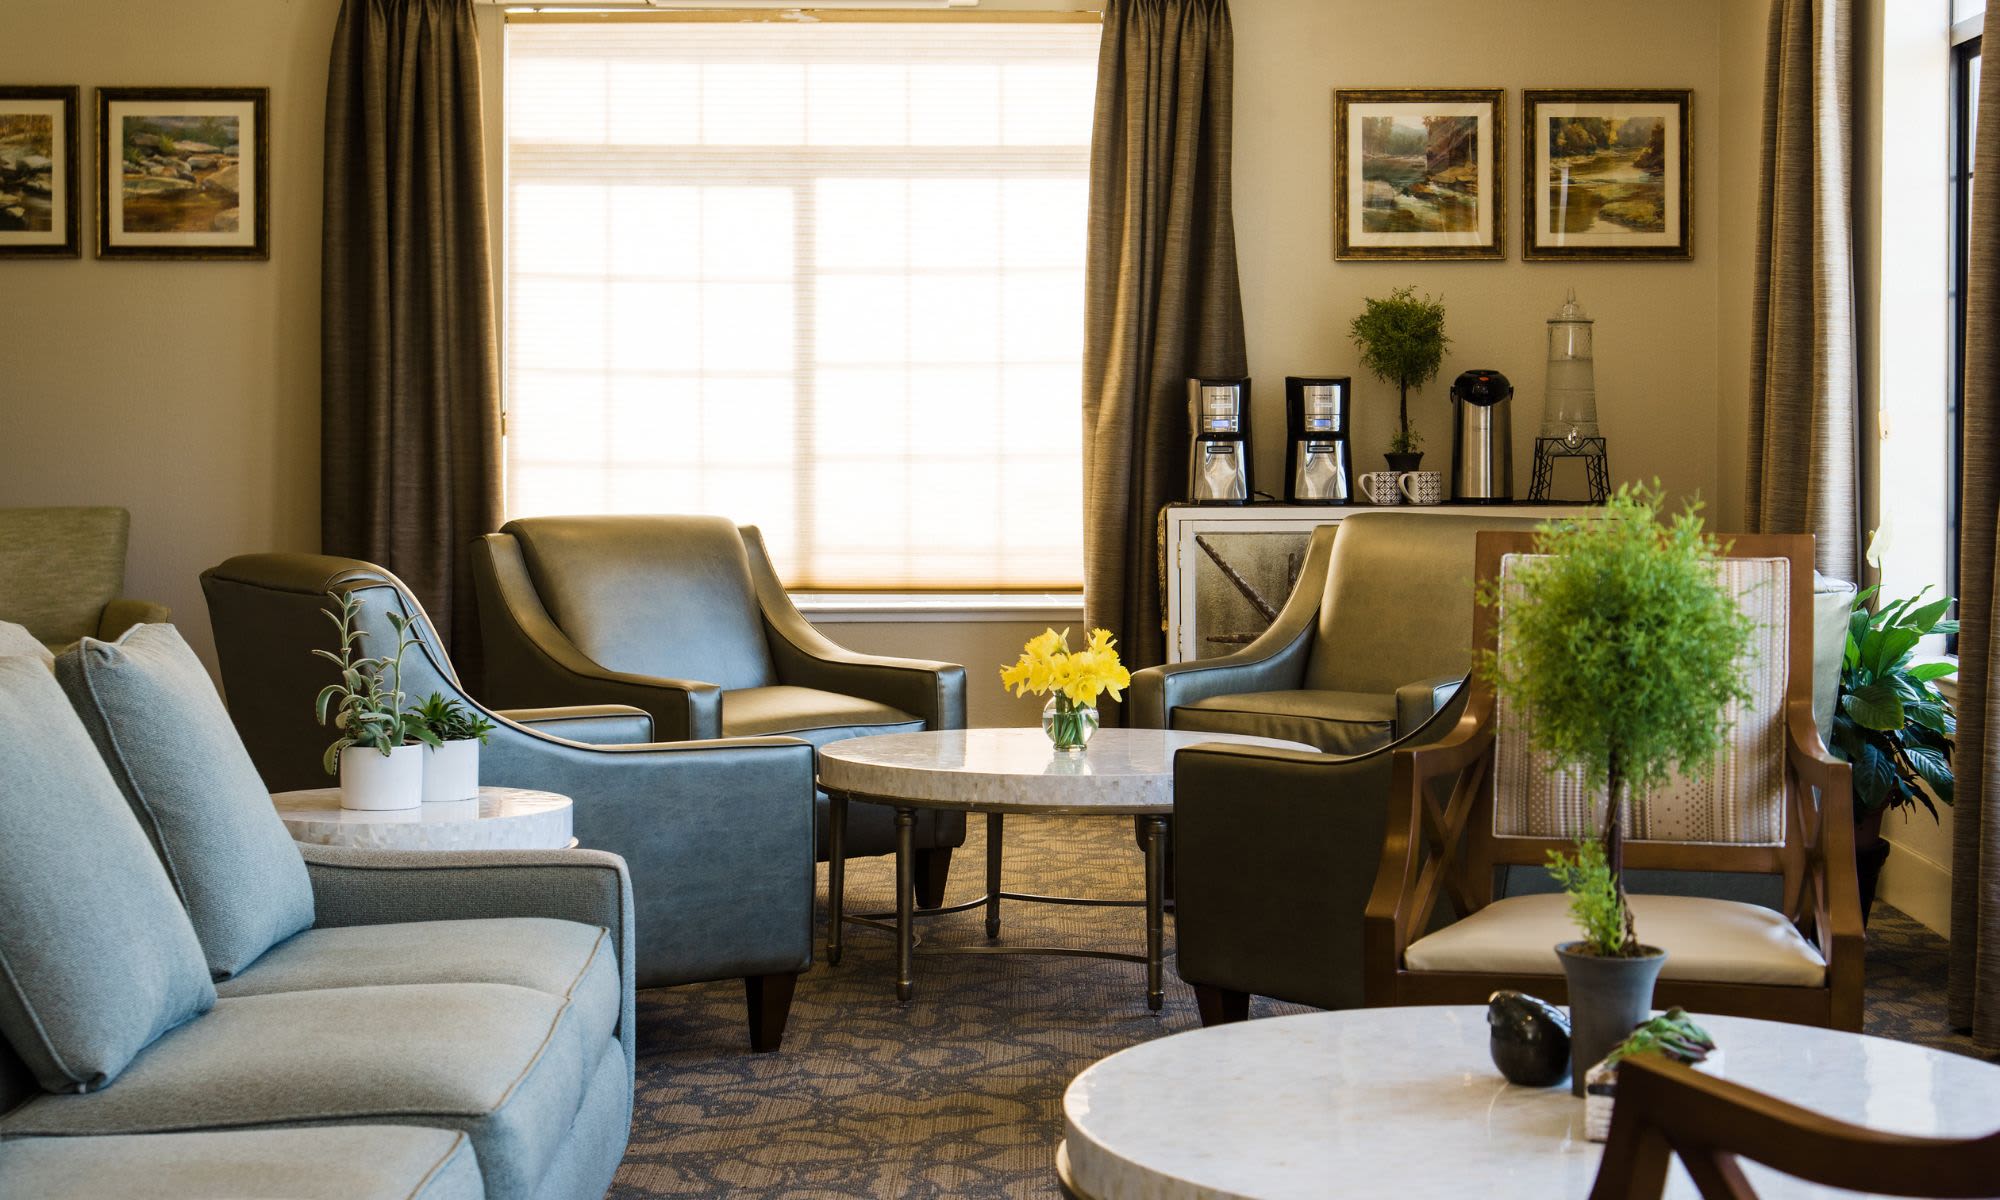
(191, 1005)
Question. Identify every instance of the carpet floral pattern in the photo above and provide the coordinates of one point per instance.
(959, 1093)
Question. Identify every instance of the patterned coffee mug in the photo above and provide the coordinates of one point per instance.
(1380, 487)
(1422, 487)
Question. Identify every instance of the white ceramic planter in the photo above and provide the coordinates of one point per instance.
(374, 781)
(451, 771)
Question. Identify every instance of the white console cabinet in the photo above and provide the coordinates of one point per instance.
(1226, 570)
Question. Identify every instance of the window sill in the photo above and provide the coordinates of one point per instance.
(971, 607)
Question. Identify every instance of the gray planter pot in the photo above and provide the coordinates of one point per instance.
(1608, 998)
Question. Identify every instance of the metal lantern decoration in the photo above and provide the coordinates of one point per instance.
(1569, 406)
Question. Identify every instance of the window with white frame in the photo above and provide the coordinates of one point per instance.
(824, 277)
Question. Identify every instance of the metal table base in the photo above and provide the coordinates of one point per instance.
(902, 921)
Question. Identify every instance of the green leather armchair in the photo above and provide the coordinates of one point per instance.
(684, 617)
(1275, 852)
(61, 570)
(717, 834)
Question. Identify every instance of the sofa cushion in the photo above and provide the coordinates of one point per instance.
(564, 959)
(506, 1065)
(359, 1162)
(1344, 723)
(810, 714)
(97, 958)
(1711, 941)
(16, 640)
(161, 728)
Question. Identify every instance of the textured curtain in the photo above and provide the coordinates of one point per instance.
(1161, 300)
(1975, 859)
(409, 398)
(1804, 402)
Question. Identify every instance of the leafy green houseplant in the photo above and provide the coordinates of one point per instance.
(1621, 644)
(1891, 722)
(367, 710)
(1402, 341)
(451, 768)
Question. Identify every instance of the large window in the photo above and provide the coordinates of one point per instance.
(823, 276)
(1964, 134)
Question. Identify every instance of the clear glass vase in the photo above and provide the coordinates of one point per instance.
(1068, 724)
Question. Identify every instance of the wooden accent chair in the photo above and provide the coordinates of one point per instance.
(1666, 1109)
(1481, 803)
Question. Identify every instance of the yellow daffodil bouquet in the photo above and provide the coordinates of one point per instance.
(1072, 679)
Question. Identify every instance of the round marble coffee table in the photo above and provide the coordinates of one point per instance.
(1406, 1102)
(500, 819)
(1124, 773)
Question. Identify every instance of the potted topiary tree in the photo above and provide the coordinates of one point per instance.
(379, 753)
(1622, 646)
(1402, 341)
(1892, 723)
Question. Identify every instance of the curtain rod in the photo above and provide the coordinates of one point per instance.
(558, 13)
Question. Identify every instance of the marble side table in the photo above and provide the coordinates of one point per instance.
(1124, 773)
(1406, 1102)
(500, 819)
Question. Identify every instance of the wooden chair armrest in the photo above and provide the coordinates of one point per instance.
(1836, 892)
(1388, 923)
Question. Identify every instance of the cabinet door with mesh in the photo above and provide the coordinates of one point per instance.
(1241, 580)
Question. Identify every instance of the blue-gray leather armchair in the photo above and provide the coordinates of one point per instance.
(684, 617)
(718, 834)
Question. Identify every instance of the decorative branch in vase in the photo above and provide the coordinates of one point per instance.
(1622, 645)
(1072, 679)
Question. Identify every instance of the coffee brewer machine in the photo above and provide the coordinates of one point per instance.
(1219, 458)
(1318, 467)
(1482, 438)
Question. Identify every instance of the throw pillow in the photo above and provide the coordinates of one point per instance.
(16, 640)
(155, 716)
(97, 957)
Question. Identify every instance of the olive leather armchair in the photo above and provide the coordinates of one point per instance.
(1274, 850)
(684, 617)
(718, 834)
(61, 572)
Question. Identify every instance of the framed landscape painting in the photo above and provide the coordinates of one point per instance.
(1419, 173)
(183, 173)
(1606, 174)
(39, 216)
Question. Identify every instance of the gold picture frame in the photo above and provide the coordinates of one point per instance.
(183, 173)
(1419, 173)
(41, 215)
(1607, 173)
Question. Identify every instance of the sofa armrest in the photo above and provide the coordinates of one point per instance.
(1418, 702)
(595, 724)
(530, 660)
(379, 887)
(805, 657)
(122, 614)
(1274, 662)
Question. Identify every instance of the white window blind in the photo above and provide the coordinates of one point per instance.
(824, 278)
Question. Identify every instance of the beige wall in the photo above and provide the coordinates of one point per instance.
(1656, 322)
(187, 392)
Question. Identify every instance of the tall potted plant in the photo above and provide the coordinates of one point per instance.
(1620, 642)
(1892, 723)
(379, 753)
(1402, 341)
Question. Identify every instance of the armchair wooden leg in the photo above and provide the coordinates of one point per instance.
(1220, 1006)
(770, 998)
(932, 868)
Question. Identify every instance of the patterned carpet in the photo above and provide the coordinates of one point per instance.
(959, 1094)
